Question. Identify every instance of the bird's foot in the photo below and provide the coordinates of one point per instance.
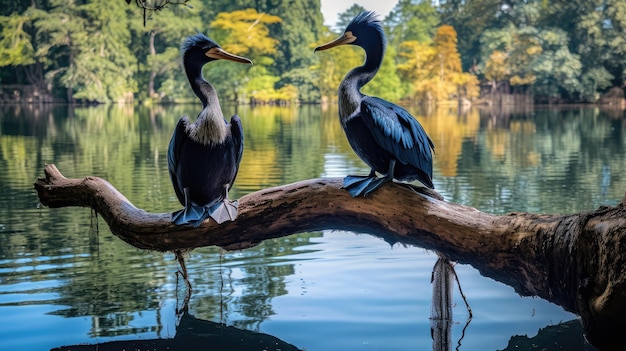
(363, 185)
(224, 211)
(193, 215)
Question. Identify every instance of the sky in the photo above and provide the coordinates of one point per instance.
(331, 8)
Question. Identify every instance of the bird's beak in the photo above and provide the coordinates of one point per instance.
(220, 54)
(346, 38)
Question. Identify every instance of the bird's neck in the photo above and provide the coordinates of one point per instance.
(350, 95)
(209, 127)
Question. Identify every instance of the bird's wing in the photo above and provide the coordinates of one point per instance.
(236, 131)
(173, 154)
(396, 131)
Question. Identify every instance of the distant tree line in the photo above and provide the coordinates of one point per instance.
(114, 51)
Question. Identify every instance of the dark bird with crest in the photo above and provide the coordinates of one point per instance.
(203, 156)
(384, 135)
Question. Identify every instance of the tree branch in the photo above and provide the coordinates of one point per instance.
(575, 261)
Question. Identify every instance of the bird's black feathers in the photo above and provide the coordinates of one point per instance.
(203, 157)
(368, 18)
(384, 135)
(199, 41)
(397, 132)
(367, 21)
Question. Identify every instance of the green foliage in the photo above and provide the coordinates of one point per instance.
(16, 48)
(412, 20)
(85, 49)
(386, 84)
(104, 52)
(302, 26)
(470, 19)
(157, 42)
(556, 68)
(347, 16)
(563, 49)
(334, 64)
(593, 80)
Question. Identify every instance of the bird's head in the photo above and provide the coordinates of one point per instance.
(201, 49)
(365, 30)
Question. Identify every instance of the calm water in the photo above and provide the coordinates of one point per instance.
(66, 280)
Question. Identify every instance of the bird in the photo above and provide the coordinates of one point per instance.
(203, 157)
(384, 135)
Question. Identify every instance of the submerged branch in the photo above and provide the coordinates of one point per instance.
(575, 260)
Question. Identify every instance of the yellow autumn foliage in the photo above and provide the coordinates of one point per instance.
(247, 31)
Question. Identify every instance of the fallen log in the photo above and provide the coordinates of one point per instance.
(576, 261)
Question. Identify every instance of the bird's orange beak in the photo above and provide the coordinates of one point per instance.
(346, 38)
(220, 54)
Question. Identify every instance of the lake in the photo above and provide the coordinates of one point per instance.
(66, 280)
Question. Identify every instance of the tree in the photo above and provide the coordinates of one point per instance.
(346, 16)
(470, 19)
(445, 65)
(496, 69)
(85, 48)
(17, 51)
(594, 80)
(106, 62)
(415, 67)
(412, 20)
(557, 69)
(60, 32)
(16, 48)
(435, 68)
(161, 63)
(302, 26)
(246, 33)
(524, 50)
(596, 31)
(447, 57)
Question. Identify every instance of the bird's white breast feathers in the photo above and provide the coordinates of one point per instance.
(208, 131)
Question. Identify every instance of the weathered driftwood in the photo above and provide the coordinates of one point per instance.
(576, 261)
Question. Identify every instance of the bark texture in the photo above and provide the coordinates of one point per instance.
(576, 261)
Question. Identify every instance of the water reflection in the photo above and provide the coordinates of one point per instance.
(196, 334)
(83, 284)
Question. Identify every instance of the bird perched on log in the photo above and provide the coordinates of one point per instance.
(203, 156)
(384, 135)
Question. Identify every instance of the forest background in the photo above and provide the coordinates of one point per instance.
(92, 51)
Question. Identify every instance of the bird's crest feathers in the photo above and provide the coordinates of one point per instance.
(198, 40)
(365, 17)
(367, 20)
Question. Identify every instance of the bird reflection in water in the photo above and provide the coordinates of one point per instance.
(384, 135)
(441, 306)
(196, 334)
